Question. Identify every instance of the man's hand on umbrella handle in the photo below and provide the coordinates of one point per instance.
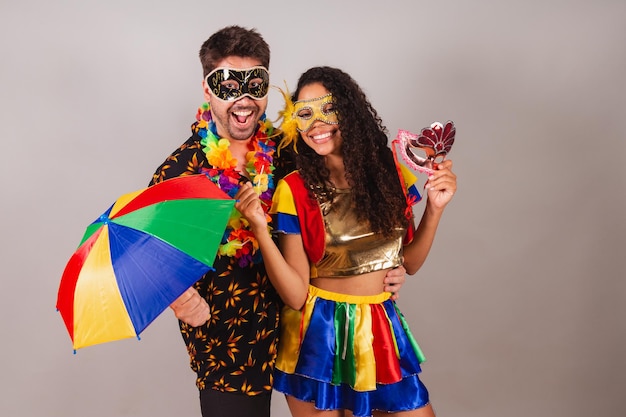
(191, 308)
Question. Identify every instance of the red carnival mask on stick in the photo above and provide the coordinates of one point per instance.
(424, 151)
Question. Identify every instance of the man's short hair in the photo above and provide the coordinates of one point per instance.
(233, 41)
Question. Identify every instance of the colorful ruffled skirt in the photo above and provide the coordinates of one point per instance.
(349, 352)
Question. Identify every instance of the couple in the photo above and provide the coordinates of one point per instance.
(328, 265)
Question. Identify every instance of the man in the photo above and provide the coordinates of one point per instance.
(229, 319)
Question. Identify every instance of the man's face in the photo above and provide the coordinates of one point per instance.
(237, 119)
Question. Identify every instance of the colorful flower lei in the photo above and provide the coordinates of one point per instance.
(238, 241)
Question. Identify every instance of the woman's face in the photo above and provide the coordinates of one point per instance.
(323, 136)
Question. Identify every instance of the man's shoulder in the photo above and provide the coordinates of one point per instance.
(191, 148)
(187, 159)
(191, 144)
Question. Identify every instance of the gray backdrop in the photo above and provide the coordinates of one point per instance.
(520, 307)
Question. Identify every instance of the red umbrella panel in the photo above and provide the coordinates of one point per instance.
(139, 256)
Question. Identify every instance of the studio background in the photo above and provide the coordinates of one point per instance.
(520, 308)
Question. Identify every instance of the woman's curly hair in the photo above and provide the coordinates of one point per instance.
(368, 160)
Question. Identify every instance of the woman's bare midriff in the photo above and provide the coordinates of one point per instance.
(365, 284)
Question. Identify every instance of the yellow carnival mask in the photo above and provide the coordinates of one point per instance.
(306, 112)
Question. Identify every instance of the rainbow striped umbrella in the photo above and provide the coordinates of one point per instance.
(139, 256)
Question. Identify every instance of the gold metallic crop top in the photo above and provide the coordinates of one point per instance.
(351, 248)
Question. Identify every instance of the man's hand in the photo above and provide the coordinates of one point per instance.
(191, 308)
(394, 280)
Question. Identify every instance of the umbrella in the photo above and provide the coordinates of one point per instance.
(139, 256)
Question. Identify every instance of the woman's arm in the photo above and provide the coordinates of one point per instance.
(288, 271)
(441, 186)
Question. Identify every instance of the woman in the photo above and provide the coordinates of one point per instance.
(344, 219)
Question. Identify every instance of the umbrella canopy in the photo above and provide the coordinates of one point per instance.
(139, 256)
